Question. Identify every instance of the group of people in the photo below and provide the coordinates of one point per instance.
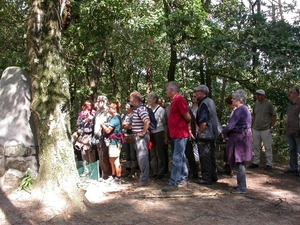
(191, 131)
(100, 127)
(263, 125)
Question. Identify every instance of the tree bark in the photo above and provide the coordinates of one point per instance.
(50, 105)
(173, 63)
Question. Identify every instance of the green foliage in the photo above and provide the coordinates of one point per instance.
(115, 47)
(26, 183)
(13, 18)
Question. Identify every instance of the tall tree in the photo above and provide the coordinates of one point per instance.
(50, 88)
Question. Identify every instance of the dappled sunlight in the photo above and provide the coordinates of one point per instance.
(126, 204)
(55, 201)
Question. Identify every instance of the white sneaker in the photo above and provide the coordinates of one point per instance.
(109, 179)
(85, 173)
(117, 181)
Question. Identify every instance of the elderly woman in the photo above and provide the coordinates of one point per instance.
(239, 145)
(157, 153)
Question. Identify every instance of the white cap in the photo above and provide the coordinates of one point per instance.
(260, 92)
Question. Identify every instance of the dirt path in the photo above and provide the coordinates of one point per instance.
(272, 198)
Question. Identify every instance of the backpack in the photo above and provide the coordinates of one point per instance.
(153, 122)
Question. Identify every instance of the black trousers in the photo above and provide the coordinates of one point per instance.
(208, 160)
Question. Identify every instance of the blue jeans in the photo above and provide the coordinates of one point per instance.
(179, 171)
(294, 146)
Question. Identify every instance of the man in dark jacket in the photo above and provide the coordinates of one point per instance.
(209, 130)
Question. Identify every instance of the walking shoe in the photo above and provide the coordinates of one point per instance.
(133, 173)
(126, 173)
(268, 167)
(237, 191)
(289, 171)
(195, 175)
(183, 184)
(227, 169)
(117, 181)
(253, 165)
(221, 171)
(85, 173)
(159, 177)
(141, 183)
(201, 181)
(109, 179)
(169, 188)
(214, 179)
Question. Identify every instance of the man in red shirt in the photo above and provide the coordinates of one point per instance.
(178, 121)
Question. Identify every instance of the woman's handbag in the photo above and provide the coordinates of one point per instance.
(83, 141)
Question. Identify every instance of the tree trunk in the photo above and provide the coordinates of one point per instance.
(255, 53)
(50, 105)
(173, 63)
(222, 98)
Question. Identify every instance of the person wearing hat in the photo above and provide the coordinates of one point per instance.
(209, 124)
(264, 118)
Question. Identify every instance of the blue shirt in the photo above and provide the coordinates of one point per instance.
(202, 116)
(115, 122)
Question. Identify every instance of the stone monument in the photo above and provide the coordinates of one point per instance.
(18, 143)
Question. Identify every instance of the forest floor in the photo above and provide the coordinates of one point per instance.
(272, 198)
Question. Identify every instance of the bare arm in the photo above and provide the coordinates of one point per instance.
(202, 126)
(145, 129)
(273, 123)
(187, 117)
(107, 129)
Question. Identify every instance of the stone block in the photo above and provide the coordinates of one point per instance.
(12, 178)
(17, 163)
(15, 151)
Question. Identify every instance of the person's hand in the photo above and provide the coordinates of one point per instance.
(141, 134)
(192, 137)
(126, 125)
(166, 140)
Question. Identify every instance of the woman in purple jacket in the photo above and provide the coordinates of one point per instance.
(239, 145)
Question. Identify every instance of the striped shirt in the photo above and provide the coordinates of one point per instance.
(140, 114)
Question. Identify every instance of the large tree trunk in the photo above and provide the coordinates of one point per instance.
(50, 106)
(173, 63)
